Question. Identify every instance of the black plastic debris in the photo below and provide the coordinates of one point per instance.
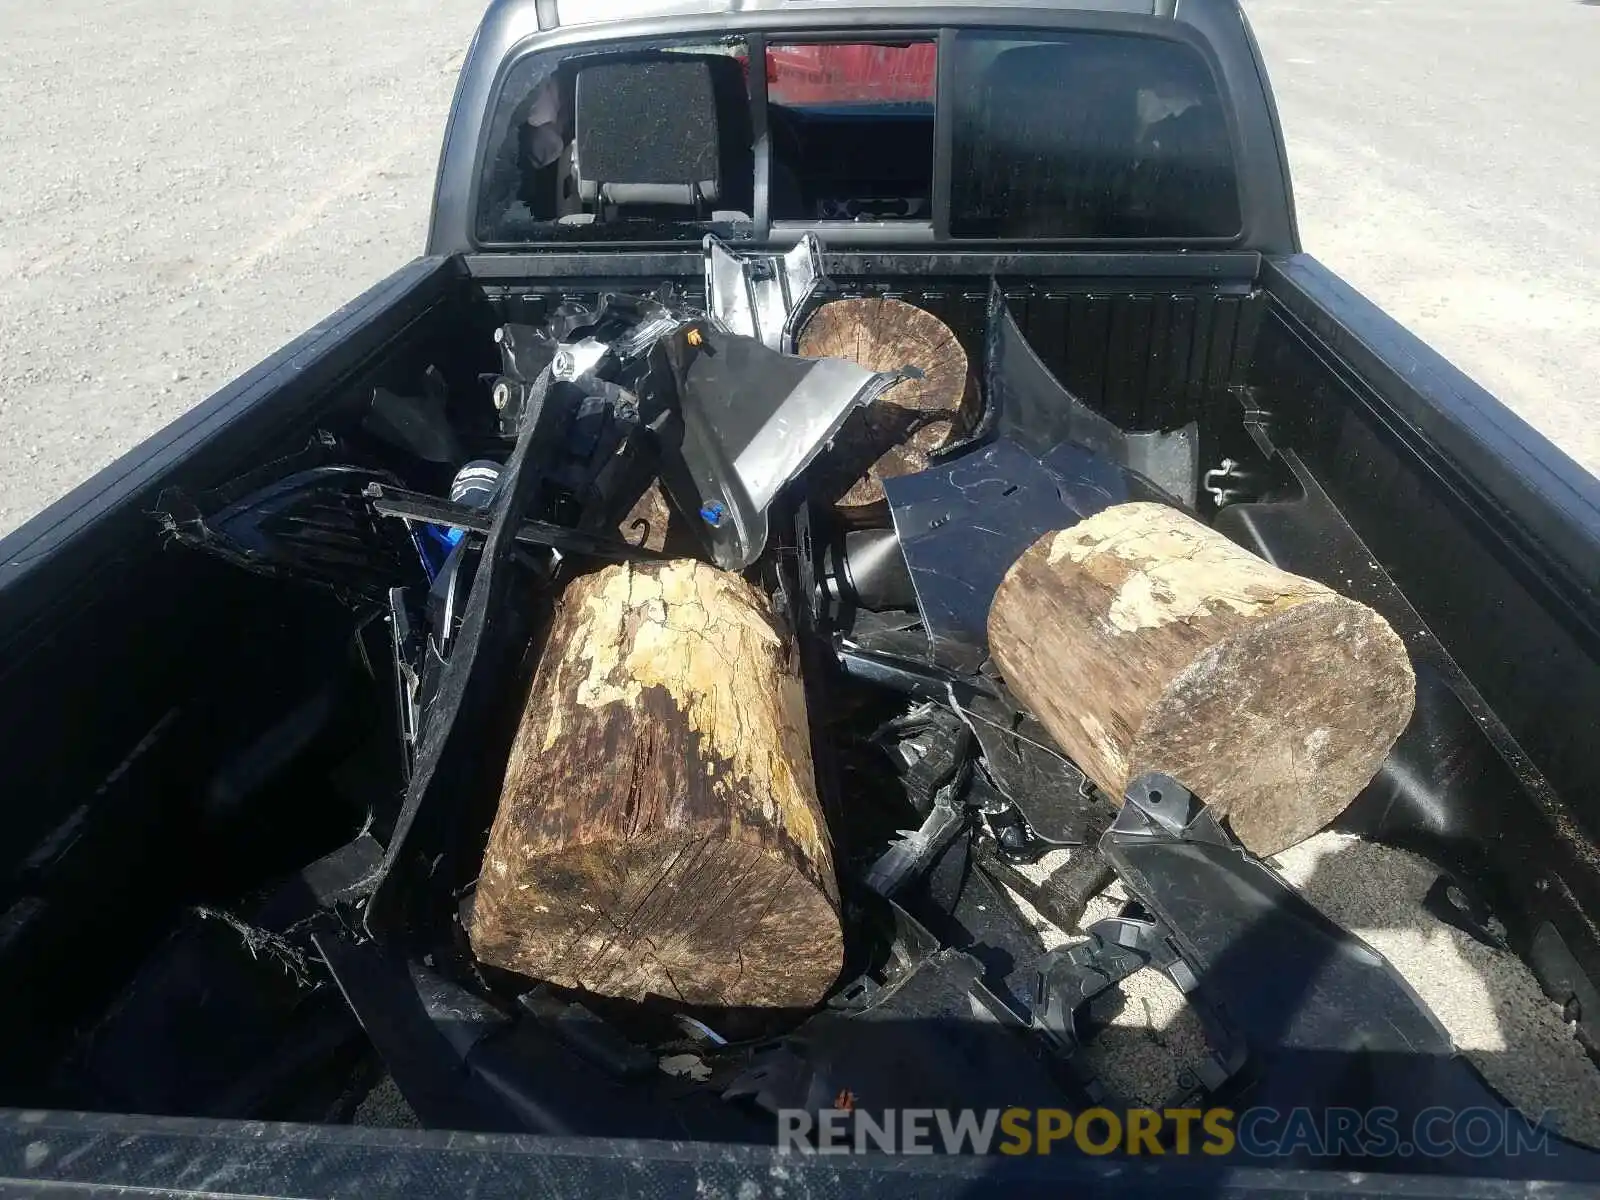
(752, 419)
(314, 525)
(926, 1032)
(961, 526)
(1064, 894)
(1059, 804)
(964, 522)
(420, 425)
(1029, 405)
(932, 753)
(459, 1059)
(526, 352)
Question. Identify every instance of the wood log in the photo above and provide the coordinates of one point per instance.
(659, 831)
(1146, 641)
(914, 418)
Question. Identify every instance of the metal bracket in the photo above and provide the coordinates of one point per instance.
(413, 506)
(761, 296)
(753, 419)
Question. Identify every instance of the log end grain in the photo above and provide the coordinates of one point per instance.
(897, 434)
(696, 921)
(1281, 726)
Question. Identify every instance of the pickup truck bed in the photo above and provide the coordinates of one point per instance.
(232, 871)
(185, 735)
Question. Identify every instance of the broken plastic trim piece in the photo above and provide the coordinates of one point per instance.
(1063, 895)
(1030, 406)
(1288, 976)
(753, 419)
(461, 1062)
(1049, 790)
(909, 676)
(419, 425)
(314, 526)
(1297, 1011)
(922, 1029)
(914, 851)
(761, 296)
(963, 523)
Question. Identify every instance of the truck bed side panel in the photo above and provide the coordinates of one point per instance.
(1491, 532)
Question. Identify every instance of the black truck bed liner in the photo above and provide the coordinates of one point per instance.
(128, 655)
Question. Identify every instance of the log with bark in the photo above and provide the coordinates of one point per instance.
(659, 832)
(918, 416)
(1144, 640)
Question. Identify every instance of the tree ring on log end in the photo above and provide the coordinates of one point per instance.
(898, 433)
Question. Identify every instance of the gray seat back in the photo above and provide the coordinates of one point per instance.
(647, 133)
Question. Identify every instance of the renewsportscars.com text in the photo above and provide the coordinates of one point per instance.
(1214, 1132)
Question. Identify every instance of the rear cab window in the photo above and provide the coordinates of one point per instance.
(649, 143)
(1087, 135)
(1049, 136)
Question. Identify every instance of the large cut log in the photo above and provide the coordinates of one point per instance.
(916, 417)
(1146, 641)
(659, 831)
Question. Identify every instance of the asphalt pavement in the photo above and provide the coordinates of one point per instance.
(187, 184)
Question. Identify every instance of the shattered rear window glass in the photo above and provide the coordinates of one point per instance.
(1088, 135)
(648, 143)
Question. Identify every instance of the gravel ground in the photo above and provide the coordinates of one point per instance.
(188, 185)
(1444, 163)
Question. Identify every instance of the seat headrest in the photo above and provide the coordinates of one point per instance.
(647, 131)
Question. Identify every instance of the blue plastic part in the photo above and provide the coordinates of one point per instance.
(712, 512)
(434, 543)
